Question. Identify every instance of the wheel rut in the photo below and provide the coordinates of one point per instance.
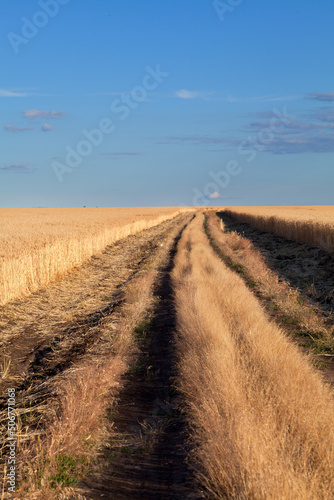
(59, 326)
(148, 457)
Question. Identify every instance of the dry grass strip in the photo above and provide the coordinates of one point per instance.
(261, 417)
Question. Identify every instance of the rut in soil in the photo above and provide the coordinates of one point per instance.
(148, 458)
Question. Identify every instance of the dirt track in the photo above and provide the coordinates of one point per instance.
(57, 327)
(148, 458)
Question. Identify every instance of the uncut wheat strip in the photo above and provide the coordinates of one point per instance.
(251, 396)
(311, 232)
(32, 270)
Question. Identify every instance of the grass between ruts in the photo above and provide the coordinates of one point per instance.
(261, 416)
(240, 255)
(53, 460)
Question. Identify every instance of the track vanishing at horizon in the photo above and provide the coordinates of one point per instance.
(152, 452)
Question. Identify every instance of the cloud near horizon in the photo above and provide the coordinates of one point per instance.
(321, 96)
(32, 114)
(214, 196)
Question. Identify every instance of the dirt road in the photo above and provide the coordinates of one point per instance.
(51, 331)
(148, 458)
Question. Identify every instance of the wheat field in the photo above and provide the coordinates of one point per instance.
(39, 245)
(313, 225)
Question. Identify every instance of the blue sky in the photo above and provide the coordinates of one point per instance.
(149, 103)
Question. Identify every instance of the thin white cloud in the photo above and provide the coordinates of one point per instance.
(279, 98)
(11, 93)
(193, 139)
(321, 96)
(15, 129)
(122, 153)
(191, 94)
(214, 196)
(32, 114)
(46, 127)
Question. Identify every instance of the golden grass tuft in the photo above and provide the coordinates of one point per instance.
(261, 417)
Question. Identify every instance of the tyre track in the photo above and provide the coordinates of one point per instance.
(40, 338)
(148, 458)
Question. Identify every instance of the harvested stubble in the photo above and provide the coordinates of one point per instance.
(39, 245)
(313, 225)
(262, 418)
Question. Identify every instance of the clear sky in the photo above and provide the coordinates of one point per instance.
(181, 102)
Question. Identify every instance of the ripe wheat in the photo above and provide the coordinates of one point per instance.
(38, 246)
(313, 225)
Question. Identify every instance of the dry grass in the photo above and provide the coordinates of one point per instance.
(262, 418)
(313, 225)
(240, 253)
(39, 245)
(79, 428)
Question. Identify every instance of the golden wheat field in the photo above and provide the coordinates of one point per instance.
(38, 245)
(181, 362)
(313, 225)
